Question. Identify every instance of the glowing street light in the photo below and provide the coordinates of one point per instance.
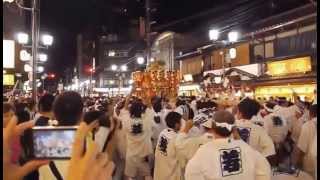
(40, 69)
(233, 53)
(233, 36)
(140, 60)
(27, 68)
(124, 68)
(130, 81)
(23, 38)
(24, 55)
(43, 57)
(47, 40)
(114, 67)
(213, 34)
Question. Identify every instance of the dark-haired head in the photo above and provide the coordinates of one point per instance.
(67, 108)
(222, 117)
(8, 113)
(157, 105)
(45, 103)
(248, 108)
(313, 110)
(180, 102)
(137, 108)
(91, 116)
(173, 120)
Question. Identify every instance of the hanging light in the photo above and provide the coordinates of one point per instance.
(47, 40)
(140, 60)
(217, 79)
(114, 67)
(23, 38)
(43, 57)
(233, 53)
(24, 55)
(213, 34)
(233, 36)
(124, 68)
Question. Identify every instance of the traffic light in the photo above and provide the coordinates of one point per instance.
(52, 76)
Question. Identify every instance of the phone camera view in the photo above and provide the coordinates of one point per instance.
(53, 143)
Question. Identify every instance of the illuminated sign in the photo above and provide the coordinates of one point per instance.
(8, 79)
(188, 77)
(291, 66)
(8, 54)
(285, 90)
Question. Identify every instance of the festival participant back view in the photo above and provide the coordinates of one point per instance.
(166, 155)
(226, 158)
(138, 128)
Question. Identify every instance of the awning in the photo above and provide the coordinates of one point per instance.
(189, 87)
(253, 69)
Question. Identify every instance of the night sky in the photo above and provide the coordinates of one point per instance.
(64, 19)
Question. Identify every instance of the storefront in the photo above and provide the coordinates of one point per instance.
(304, 91)
(189, 90)
(286, 77)
(112, 91)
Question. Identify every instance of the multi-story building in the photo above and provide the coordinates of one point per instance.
(115, 51)
(277, 54)
(14, 21)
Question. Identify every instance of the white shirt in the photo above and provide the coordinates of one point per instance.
(139, 132)
(45, 172)
(167, 166)
(193, 106)
(306, 144)
(277, 132)
(301, 176)
(188, 145)
(231, 160)
(101, 137)
(158, 127)
(256, 137)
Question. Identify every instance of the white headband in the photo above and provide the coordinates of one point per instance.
(225, 125)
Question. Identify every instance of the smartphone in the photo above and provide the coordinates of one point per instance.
(50, 142)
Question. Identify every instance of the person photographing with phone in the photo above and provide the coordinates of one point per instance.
(90, 165)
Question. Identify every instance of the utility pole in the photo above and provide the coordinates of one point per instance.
(147, 6)
(35, 40)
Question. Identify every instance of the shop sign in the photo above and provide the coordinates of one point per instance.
(8, 54)
(188, 78)
(291, 66)
(8, 79)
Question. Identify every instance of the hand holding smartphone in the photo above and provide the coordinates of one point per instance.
(53, 142)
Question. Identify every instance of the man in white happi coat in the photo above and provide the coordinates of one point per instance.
(225, 157)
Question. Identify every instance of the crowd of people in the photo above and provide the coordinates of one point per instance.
(191, 138)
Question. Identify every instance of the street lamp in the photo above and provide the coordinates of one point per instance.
(140, 60)
(233, 36)
(124, 68)
(43, 57)
(47, 40)
(27, 68)
(114, 67)
(233, 53)
(213, 34)
(24, 55)
(40, 69)
(23, 38)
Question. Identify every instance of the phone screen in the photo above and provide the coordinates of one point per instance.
(53, 142)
